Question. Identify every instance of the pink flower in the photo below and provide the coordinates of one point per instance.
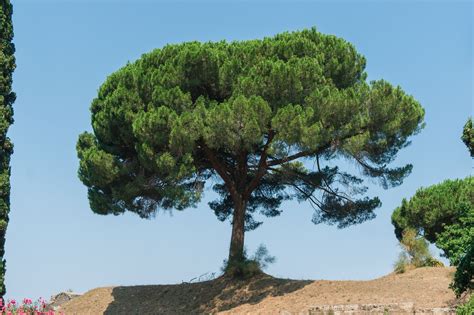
(13, 302)
(27, 301)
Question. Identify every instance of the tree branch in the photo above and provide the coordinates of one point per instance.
(327, 190)
(327, 184)
(313, 201)
(291, 158)
(221, 170)
(262, 165)
(312, 152)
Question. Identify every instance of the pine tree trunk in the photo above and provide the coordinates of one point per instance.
(236, 251)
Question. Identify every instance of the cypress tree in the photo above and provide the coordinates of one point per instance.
(7, 97)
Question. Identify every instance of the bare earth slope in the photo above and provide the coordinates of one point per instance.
(422, 288)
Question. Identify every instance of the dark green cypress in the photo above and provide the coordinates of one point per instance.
(7, 97)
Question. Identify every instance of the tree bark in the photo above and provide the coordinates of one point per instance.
(236, 251)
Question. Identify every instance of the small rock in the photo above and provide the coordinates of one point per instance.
(61, 298)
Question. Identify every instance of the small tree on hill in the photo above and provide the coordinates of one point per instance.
(415, 252)
(249, 114)
(444, 215)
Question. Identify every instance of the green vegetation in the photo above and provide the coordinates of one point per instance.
(249, 267)
(243, 117)
(415, 253)
(468, 136)
(7, 97)
(444, 215)
(466, 309)
(464, 276)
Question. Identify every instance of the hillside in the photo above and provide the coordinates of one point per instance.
(419, 289)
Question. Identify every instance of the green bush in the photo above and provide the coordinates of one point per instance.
(466, 309)
(443, 214)
(463, 278)
(433, 262)
(243, 269)
(249, 267)
(415, 253)
(401, 264)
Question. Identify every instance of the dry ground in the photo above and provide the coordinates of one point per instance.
(424, 287)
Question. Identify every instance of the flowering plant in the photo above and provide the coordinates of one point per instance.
(27, 307)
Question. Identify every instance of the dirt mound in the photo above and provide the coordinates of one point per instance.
(423, 288)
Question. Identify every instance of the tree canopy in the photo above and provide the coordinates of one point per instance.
(253, 116)
(7, 97)
(468, 136)
(443, 214)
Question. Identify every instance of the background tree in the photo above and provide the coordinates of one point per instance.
(444, 215)
(7, 97)
(468, 136)
(264, 118)
(464, 275)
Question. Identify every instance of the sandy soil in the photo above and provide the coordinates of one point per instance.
(423, 287)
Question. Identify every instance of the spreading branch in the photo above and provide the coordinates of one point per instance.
(221, 170)
(326, 189)
(262, 165)
(316, 151)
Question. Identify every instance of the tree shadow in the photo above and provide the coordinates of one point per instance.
(206, 297)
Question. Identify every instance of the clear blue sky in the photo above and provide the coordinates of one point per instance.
(66, 49)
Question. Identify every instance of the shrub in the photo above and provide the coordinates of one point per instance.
(262, 257)
(415, 253)
(466, 309)
(243, 269)
(463, 278)
(401, 264)
(249, 267)
(443, 214)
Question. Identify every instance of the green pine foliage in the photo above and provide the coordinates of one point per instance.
(468, 136)
(7, 97)
(443, 214)
(243, 117)
(249, 266)
(464, 276)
